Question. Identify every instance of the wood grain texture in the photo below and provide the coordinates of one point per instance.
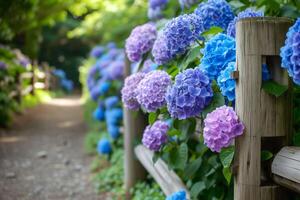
(167, 179)
(258, 40)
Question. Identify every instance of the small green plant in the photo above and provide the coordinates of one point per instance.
(147, 191)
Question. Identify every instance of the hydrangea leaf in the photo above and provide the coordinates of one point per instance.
(183, 155)
(226, 156)
(266, 155)
(227, 174)
(197, 188)
(192, 54)
(296, 139)
(174, 132)
(217, 101)
(274, 88)
(192, 168)
(211, 32)
(152, 117)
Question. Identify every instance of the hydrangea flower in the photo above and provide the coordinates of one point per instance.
(140, 41)
(226, 83)
(217, 53)
(111, 45)
(99, 89)
(189, 95)
(128, 91)
(215, 13)
(114, 71)
(187, 3)
(2, 65)
(150, 92)
(104, 146)
(290, 52)
(99, 113)
(244, 14)
(176, 37)
(157, 3)
(154, 13)
(180, 195)
(266, 75)
(111, 102)
(113, 116)
(59, 73)
(155, 135)
(155, 8)
(220, 128)
(113, 131)
(67, 85)
(97, 51)
(148, 66)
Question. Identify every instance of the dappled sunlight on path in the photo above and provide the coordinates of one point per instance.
(42, 155)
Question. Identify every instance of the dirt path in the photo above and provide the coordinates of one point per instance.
(42, 156)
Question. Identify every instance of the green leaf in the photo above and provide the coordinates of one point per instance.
(214, 30)
(183, 155)
(266, 155)
(155, 157)
(217, 101)
(196, 189)
(152, 117)
(227, 174)
(226, 156)
(173, 132)
(274, 88)
(192, 168)
(296, 139)
(192, 54)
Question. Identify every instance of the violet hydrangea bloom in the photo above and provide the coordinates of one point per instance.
(176, 37)
(149, 66)
(217, 53)
(189, 95)
(152, 89)
(97, 51)
(2, 65)
(180, 195)
(187, 3)
(157, 3)
(155, 135)
(248, 13)
(155, 8)
(114, 71)
(215, 13)
(140, 41)
(221, 126)
(290, 52)
(129, 91)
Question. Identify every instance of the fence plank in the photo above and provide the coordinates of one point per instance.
(167, 179)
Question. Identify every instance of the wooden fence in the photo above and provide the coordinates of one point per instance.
(268, 123)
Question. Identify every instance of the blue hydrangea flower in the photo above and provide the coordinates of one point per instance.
(113, 131)
(217, 53)
(226, 83)
(215, 13)
(67, 85)
(266, 75)
(59, 73)
(154, 13)
(114, 71)
(97, 51)
(113, 116)
(104, 87)
(180, 195)
(189, 95)
(176, 37)
(111, 45)
(104, 146)
(157, 3)
(99, 113)
(290, 52)
(187, 3)
(248, 13)
(111, 102)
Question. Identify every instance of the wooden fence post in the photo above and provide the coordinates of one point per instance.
(267, 119)
(134, 125)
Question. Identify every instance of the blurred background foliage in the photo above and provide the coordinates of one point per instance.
(61, 32)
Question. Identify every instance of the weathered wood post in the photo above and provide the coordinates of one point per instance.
(134, 125)
(267, 119)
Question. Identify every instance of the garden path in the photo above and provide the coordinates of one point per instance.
(42, 155)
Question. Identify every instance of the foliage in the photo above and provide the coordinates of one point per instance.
(147, 191)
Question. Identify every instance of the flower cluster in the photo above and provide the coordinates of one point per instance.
(111, 102)
(248, 13)
(157, 3)
(155, 135)
(176, 37)
(2, 65)
(290, 52)
(180, 195)
(99, 113)
(114, 71)
(148, 66)
(150, 92)
(140, 41)
(155, 8)
(128, 91)
(97, 51)
(65, 83)
(187, 3)
(266, 75)
(217, 53)
(104, 146)
(226, 83)
(113, 117)
(215, 13)
(220, 128)
(189, 95)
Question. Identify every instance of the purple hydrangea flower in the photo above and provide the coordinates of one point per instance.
(152, 89)
(220, 128)
(140, 41)
(187, 3)
(157, 3)
(3, 65)
(154, 13)
(217, 53)
(226, 83)
(180, 195)
(189, 95)
(129, 91)
(97, 51)
(114, 71)
(155, 135)
(149, 66)
(248, 13)
(215, 13)
(176, 37)
(290, 52)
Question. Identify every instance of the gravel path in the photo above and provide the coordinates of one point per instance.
(42, 156)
